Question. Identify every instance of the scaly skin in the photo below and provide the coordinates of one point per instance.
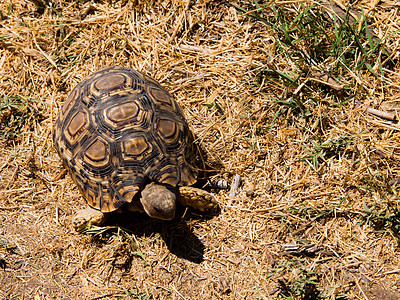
(197, 199)
(87, 217)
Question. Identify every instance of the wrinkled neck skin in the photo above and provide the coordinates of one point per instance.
(159, 201)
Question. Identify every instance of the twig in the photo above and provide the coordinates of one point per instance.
(17, 190)
(195, 48)
(12, 178)
(382, 114)
(316, 195)
(43, 53)
(59, 175)
(389, 272)
(360, 288)
(7, 164)
(184, 80)
(394, 181)
(176, 291)
(234, 186)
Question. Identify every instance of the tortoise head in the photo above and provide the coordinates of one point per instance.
(158, 201)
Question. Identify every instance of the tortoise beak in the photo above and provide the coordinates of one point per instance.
(158, 201)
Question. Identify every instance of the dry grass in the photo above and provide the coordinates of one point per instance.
(315, 217)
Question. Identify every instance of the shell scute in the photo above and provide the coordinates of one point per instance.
(136, 146)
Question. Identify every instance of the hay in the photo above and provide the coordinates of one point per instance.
(297, 227)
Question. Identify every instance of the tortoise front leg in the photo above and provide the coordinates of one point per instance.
(197, 199)
(87, 217)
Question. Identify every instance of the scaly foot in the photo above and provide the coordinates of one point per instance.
(87, 217)
(197, 199)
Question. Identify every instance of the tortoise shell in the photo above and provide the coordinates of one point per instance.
(118, 130)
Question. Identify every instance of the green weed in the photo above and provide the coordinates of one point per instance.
(214, 105)
(326, 58)
(321, 152)
(308, 39)
(134, 293)
(116, 237)
(17, 115)
(295, 281)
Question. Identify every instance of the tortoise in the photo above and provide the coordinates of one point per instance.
(127, 146)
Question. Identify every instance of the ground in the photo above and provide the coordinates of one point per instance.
(298, 98)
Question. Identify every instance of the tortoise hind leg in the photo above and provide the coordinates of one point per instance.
(197, 199)
(88, 217)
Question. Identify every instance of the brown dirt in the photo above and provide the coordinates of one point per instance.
(326, 232)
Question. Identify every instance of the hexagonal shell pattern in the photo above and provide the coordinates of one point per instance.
(118, 129)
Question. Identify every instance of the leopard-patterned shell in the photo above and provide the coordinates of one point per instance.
(118, 130)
